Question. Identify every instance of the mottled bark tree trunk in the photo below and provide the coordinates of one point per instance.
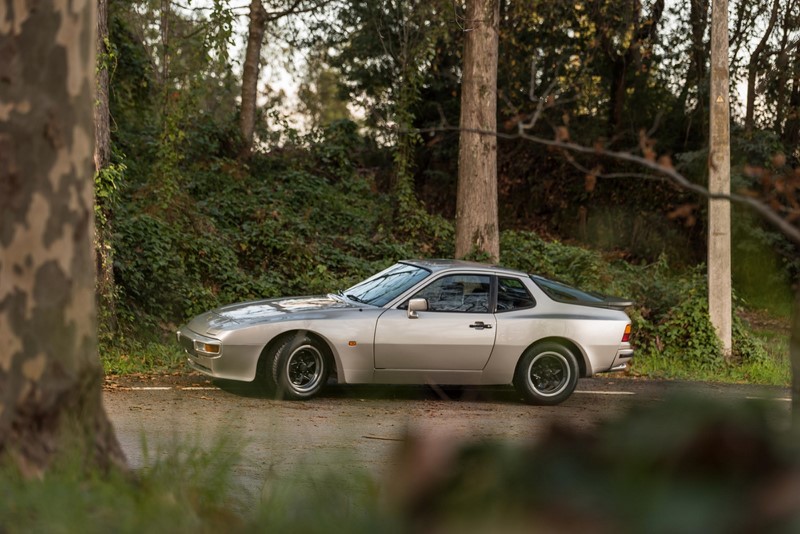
(104, 261)
(250, 70)
(476, 207)
(50, 375)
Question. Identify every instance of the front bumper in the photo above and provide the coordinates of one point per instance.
(234, 362)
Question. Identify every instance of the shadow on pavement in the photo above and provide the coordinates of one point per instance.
(254, 390)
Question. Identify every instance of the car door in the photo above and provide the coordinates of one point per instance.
(457, 331)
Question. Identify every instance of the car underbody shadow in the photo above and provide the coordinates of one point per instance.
(333, 390)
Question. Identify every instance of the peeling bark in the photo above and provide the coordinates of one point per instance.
(50, 375)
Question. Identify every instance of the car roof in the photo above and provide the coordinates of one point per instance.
(437, 265)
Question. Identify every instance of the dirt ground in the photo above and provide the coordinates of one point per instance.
(358, 429)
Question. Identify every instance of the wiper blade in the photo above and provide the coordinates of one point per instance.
(356, 299)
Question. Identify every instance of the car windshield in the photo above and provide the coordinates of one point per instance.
(387, 285)
(564, 293)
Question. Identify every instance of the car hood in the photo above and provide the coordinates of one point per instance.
(260, 311)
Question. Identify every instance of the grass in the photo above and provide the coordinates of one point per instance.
(769, 373)
(141, 357)
(187, 489)
(773, 368)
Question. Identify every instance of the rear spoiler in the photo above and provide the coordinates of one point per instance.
(613, 303)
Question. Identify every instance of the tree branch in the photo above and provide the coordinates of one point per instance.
(664, 172)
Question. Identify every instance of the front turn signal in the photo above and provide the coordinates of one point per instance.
(207, 348)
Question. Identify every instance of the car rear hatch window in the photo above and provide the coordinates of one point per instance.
(569, 295)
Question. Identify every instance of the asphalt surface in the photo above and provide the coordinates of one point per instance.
(360, 429)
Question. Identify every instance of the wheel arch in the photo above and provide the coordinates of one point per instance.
(328, 352)
(580, 356)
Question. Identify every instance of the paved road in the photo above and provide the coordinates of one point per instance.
(359, 428)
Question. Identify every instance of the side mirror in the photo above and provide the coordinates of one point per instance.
(416, 305)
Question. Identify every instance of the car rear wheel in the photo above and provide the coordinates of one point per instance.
(546, 374)
(299, 367)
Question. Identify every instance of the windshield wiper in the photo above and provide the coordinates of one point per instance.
(356, 299)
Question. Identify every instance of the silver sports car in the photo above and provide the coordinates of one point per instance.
(419, 322)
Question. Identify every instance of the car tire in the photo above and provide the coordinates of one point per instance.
(299, 367)
(264, 377)
(546, 374)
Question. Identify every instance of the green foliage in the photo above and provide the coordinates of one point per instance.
(686, 334)
(672, 332)
(185, 489)
(308, 220)
(127, 355)
(106, 188)
(571, 264)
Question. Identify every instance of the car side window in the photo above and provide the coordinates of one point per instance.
(513, 295)
(458, 293)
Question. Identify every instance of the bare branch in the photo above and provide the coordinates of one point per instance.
(663, 172)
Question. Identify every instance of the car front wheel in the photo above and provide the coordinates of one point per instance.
(299, 368)
(546, 374)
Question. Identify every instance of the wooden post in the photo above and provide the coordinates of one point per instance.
(719, 181)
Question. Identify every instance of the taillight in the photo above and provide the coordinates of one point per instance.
(627, 335)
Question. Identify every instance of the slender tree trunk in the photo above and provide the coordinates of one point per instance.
(794, 355)
(476, 207)
(104, 262)
(165, 51)
(102, 135)
(791, 130)
(788, 107)
(250, 72)
(698, 18)
(50, 375)
(619, 87)
(752, 68)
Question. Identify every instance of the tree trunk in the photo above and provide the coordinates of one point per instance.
(102, 135)
(789, 107)
(791, 130)
(50, 375)
(476, 208)
(617, 93)
(794, 357)
(698, 19)
(645, 30)
(752, 69)
(104, 262)
(250, 70)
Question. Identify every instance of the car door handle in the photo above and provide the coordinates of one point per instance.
(480, 325)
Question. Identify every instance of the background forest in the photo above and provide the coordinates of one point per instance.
(357, 168)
